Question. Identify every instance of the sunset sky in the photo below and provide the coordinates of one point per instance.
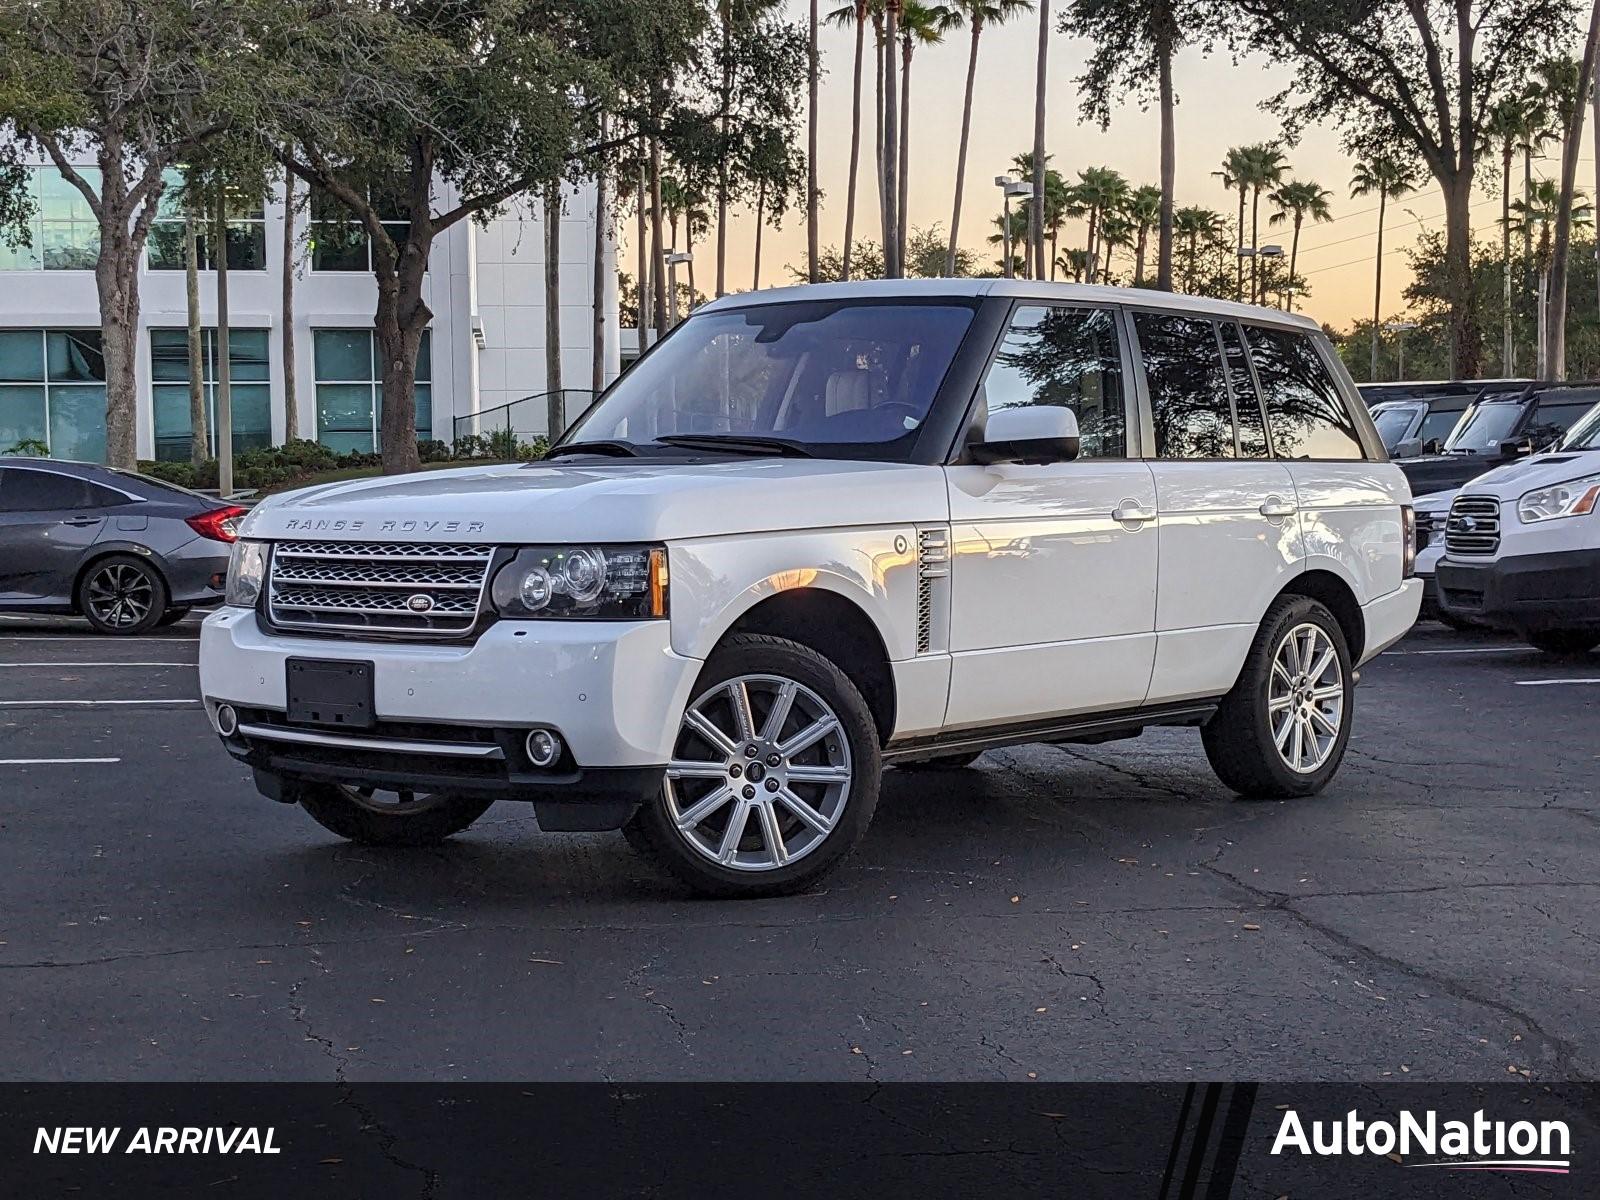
(1218, 108)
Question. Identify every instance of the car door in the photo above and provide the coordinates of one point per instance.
(1054, 566)
(1227, 534)
(46, 525)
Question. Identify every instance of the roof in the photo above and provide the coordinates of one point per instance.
(1021, 289)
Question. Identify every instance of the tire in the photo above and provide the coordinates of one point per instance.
(122, 596)
(171, 617)
(359, 815)
(688, 830)
(1564, 642)
(942, 762)
(1241, 738)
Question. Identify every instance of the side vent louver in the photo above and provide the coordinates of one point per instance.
(933, 562)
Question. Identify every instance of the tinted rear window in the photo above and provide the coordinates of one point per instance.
(23, 489)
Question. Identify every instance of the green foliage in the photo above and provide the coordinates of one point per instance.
(299, 460)
(1127, 36)
(29, 447)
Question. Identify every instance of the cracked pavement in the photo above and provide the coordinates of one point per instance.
(1086, 912)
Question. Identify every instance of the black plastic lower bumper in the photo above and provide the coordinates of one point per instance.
(1526, 592)
(566, 797)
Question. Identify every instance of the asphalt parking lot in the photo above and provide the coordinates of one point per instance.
(1102, 912)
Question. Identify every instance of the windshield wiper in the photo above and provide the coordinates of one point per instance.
(609, 449)
(737, 442)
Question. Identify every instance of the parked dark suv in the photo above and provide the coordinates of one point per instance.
(124, 551)
(1417, 417)
(1503, 423)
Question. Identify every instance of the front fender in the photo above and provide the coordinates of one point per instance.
(715, 581)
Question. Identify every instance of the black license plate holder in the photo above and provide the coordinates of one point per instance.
(333, 693)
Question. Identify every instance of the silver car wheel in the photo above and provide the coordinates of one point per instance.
(1305, 698)
(760, 774)
(120, 595)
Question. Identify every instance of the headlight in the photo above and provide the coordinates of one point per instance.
(615, 582)
(1571, 499)
(247, 569)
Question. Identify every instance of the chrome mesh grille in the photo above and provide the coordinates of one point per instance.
(933, 562)
(1473, 526)
(419, 588)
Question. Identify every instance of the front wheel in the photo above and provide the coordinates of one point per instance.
(1281, 731)
(376, 818)
(773, 778)
(1564, 641)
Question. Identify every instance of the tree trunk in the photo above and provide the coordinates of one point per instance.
(761, 216)
(1465, 351)
(643, 289)
(1238, 286)
(961, 152)
(1255, 244)
(883, 194)
(1294, 256)
(1556, 320)
(1377, 292)
(722, 159)
(555, 402)
(891, 147)
(597, 329)
(199, 443)
(1092, 250)
(219, 254)
(902, 217)
(1036, 210)
(658, 250)
(1169, 152)
(291, 399)
(1138, 265)
(813, 67)
(1595, 93)
(855, 141)
(1507, 351)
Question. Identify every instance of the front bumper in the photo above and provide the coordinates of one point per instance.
(1525, 592)
(452, 717)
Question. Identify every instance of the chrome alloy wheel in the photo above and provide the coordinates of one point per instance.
(1305, 698)
(119, 595)
(760, 774)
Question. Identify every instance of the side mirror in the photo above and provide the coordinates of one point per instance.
(1039, 433)
(1409, 448)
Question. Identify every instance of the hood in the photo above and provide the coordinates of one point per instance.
(611, 501)
(1541, 470)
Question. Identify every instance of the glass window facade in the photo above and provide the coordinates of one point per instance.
(339, 242)
(53, 390)
(247, 234)
(63, 233)
(250, 391)
(350, 390)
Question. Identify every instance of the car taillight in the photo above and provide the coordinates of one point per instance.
(220, 524)
(1408, 531)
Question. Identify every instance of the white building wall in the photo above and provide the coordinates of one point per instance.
(489, 277)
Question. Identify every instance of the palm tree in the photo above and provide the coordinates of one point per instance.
(1235, 173)
(1100, 191)
(1385, 177)
(1266, 166)
(854, 13)
(1059, 201)
(1297, 200)
(1191, 224)
(813, 80)
(978, 14)
(1143, 210)
(1116, 229)
(1040, 75)
(1535, 218)
(891, 134)
(920, 25)
(1505, 124)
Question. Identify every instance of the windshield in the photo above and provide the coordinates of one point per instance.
(1392, 421)
(1490, 423)
(1585, 433)
(842, 378)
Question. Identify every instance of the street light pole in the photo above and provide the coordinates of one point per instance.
(674, 258)
(1004, 182)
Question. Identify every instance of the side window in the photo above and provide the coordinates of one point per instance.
(1069, 357)
(27, 490)
(1246, 404)
(1305, 413)
(1188, 394)
(1438, 424)
(1553, 420)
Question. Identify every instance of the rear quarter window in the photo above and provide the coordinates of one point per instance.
(1307, 417)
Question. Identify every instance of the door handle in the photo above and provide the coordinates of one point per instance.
(1276, 506)
(83, 520)
(1131, 511)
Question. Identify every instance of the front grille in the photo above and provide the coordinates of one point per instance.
(1473, 526)
(417, 588)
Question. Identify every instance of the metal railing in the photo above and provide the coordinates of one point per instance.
(521, 421)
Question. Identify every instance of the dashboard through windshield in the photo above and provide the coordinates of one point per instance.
(842, 378)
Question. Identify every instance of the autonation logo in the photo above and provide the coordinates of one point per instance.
(1476, 1145)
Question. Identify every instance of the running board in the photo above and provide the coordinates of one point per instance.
(1100, 727)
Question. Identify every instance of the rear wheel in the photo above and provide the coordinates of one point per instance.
(379, 818)
(1564, 641)
(122, 595)
(1281, 731)
(774, 774)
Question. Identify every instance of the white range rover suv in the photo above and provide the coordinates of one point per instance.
(819, 530)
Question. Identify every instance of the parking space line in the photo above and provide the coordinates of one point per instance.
(83, 703)
(88, 637)
(1552, 682)
(99, 664)
(50, 762)
(1468, 650)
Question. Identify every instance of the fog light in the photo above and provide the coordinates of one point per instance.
(227, 720)
(543, 748)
